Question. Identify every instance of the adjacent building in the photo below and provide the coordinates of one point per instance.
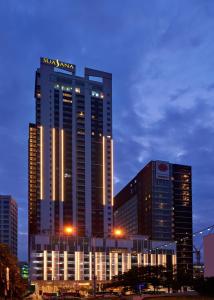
(71, 151)
(157, 202)
(209, 255)
(8, 222)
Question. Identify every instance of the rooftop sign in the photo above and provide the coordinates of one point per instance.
(58, 64)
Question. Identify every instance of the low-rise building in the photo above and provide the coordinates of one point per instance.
(77, 259)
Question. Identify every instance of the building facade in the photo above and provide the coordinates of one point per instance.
(79, 258)
(158, 202)
(71, 151)
(8, 222)
(71, 181)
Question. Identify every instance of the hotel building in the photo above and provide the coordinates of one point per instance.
(71, 151)
(157, 202)
(71, 181)
(8, 222)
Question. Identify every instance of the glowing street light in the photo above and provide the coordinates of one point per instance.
(118, 232)
(69, 230)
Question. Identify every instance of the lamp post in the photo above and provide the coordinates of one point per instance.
(69, 230)
(118, 233)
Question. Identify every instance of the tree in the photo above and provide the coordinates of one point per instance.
(11, 283)
(133, 278)
(204, 286)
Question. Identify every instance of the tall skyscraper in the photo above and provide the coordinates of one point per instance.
(71, 183)
(8, 222)
(158, 202)
(71, 151)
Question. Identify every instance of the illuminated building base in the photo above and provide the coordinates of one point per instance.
(59, 259)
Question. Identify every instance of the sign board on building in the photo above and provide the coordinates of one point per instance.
(162, 170)
(58, 64)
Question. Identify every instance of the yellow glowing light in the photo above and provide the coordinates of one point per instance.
(112, 173)
(118, 232)
(69, 230)
(53, 164)
(41, 162)
(104, 177)
(62, 165)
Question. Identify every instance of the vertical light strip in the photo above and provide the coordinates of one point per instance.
(53, 165)
(53, 265)
(41, 163)
(90, 265)
(139, 259)
(110, 265)
(145, 259)
(104, 173)
(129, 263)
(45, 265)
(62, 165)
(123, 263)
(77, 265)
(112, 173)
(153, 259)
(116, 263)
(65, 265)
(174, 260)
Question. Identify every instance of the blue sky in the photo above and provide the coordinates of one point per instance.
(160, 53)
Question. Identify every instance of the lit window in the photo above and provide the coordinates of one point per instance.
(77, 90)
(66, 100)
(95, 94)
(80, 132)
(66, 95)
(67, 175)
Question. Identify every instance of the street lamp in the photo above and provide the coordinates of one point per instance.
(69, 230)
(118, 232)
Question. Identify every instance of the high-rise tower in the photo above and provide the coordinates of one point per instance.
(71, 151)
(71, 184)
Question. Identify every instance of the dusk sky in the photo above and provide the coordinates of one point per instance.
(161, 55)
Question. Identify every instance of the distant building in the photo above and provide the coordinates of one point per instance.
(8, 222)
(209, 255)
(157, 202)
